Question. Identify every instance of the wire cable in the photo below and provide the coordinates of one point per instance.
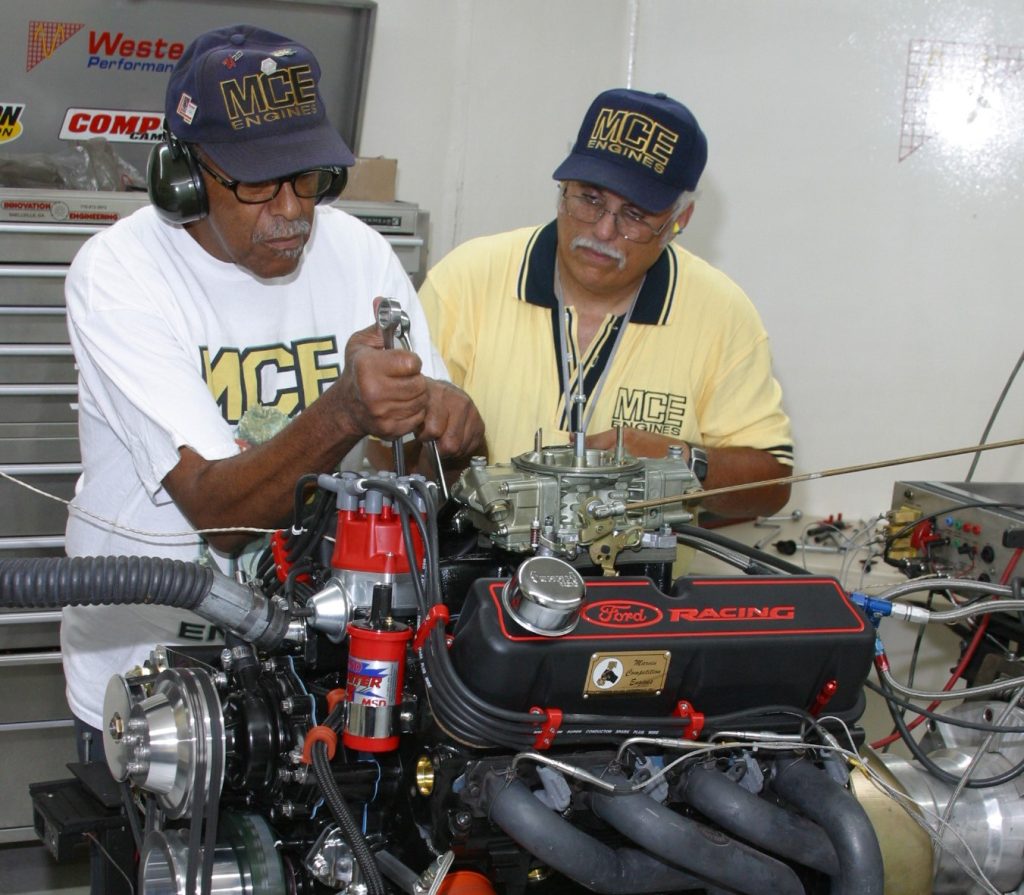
(994, 414)
(925, 760)
(920, 815)
(947, 812)
(697, 537)
(931, 715)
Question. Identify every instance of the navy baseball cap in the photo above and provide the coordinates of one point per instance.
(251, 99)
(647, 147)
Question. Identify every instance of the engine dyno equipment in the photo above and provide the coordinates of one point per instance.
(522, 699)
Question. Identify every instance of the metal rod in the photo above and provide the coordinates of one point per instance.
(696, 496)
(50, 229)
(13, 726)
(18, 272)
(41, 468)
(435, 452)
(19, 391)
(32, 542)
(35, 350)
(579, 404)
(29, 618)
(441, 483)
(51, 657)
(388, 321)
(795, 516)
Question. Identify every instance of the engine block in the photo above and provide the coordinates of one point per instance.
(370, 727)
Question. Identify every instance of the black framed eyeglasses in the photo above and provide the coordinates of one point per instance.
(311, 184)
(630, 222)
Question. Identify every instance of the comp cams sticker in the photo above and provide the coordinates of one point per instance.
(114, 125)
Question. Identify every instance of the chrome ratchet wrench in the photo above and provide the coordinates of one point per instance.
(394, 324)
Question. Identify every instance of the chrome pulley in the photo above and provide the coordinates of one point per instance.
(245, 860)
(165, 734)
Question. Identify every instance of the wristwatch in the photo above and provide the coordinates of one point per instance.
(699, 462)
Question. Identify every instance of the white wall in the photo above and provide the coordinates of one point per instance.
(480, 100)
(890, 287)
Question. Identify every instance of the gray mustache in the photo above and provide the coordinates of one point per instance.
(282, 230)
(585, 242)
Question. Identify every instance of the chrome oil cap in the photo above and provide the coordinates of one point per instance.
(544, 596)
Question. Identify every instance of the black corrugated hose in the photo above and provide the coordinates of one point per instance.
(52, 583)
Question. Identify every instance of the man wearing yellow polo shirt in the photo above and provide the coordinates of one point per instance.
(599, 320)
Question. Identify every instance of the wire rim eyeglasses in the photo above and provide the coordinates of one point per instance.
(310, 184)
(629, 223)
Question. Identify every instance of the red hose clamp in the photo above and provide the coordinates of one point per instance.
(319, 734)
(334, 697)
(437, 613)
(549, 727)
(686, 710)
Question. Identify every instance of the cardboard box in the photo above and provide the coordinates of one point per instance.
(372, 180)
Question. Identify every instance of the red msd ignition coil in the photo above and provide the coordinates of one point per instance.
(376, 668)
(369, 536)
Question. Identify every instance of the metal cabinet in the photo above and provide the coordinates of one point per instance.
(36, 734)
(38, 432)
(38, 448)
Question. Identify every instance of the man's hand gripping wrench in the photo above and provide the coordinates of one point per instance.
(394, 324)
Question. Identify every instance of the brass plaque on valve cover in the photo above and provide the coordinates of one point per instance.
(626, 672)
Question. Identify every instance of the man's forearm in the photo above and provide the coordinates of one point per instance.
(256, 487)
(379, 393)
(740, 465)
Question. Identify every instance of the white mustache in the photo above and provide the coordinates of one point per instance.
(586, 242)
(282, 229)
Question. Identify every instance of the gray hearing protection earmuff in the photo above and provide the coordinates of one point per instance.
(176, 187)
(175, 182)
(336, 188)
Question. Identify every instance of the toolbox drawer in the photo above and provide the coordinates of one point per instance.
(33, 285)
(39, 516)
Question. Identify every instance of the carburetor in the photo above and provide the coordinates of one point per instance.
(557, 500)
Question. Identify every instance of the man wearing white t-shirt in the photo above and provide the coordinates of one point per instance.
(233, 294)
